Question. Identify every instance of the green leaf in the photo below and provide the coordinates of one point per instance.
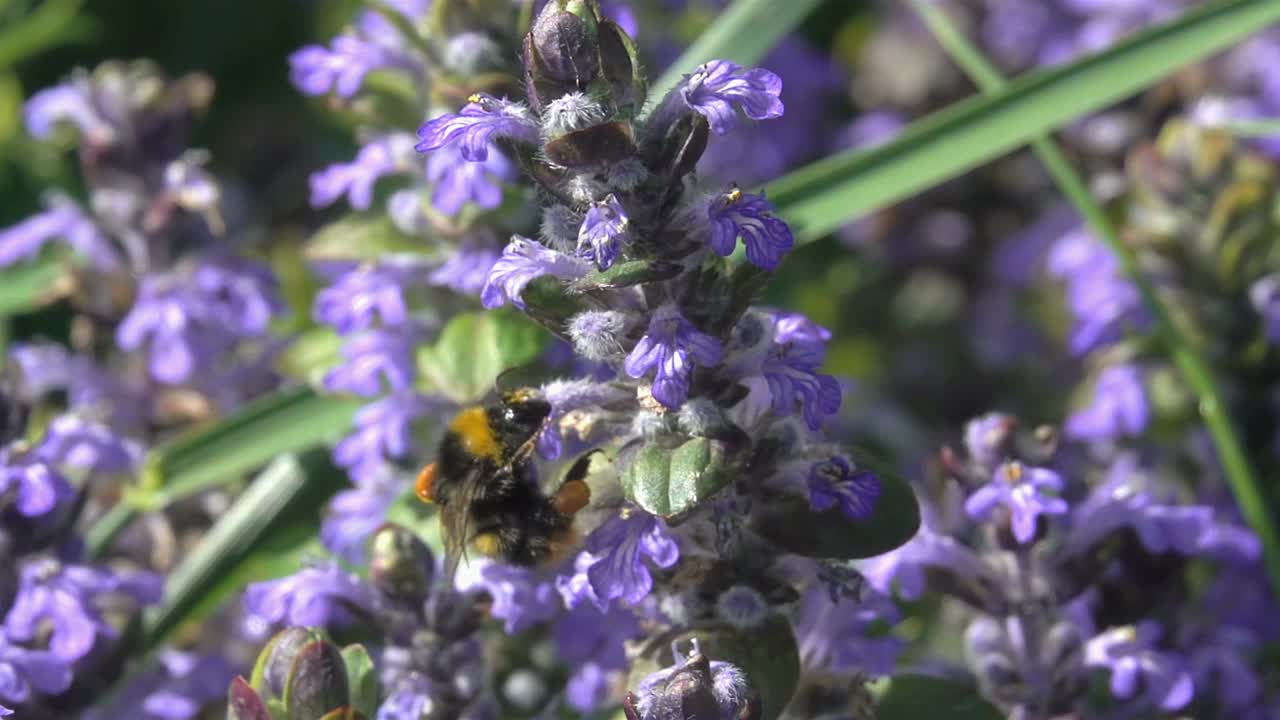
(263, 535)
(911, 697)
(668, 482)
(51, 23)
(628, 273)
(362, 679)
(361, 237)
(743, 33)
(827, 194)
(788, 521)
(30, 285)
(311, 355)
(287, 421)
(767, 654)
(474, 348)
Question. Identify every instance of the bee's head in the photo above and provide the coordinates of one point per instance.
(521, 413)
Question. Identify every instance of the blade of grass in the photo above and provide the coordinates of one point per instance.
(279, 512)
(288, 421)
(827, 194)
(1194, 368)
(744, 33)
(29, 285)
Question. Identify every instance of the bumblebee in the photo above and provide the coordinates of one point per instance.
(485, 484)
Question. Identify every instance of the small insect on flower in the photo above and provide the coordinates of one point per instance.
(485, 482)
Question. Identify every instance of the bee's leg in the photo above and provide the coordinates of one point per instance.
(572, 496)
(574, 493)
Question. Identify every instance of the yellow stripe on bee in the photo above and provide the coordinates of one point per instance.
(486, 544)
(472, 426)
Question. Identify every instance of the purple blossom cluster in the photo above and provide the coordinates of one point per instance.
(171, 319)
(56, 636)
(634, 266)
(1036, 556)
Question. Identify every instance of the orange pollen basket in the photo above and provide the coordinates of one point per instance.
(426, 479)
(572, 497)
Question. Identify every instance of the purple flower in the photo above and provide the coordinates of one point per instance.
(375, 361)
(476, 126)
(1265, 296)
(366, 296)
(1138, 667)
(87, 446)
(834, 483)
(241, 295)
(873, 128)
(458, 182)
(63, 219)
(190, 682)
(341, 67)
(412, 698)
(356, 513)
(381, 157)
(1103, 302)
(23, 671)
(592, 643)
(521, 262)
(716, 87)
(466, 270)
(1026, 492)
(1119, 407)
(796, 328)
(168, 317)
(791, 370)
(383, 431)
(66, 599)
(604, 232)
(613, 564)
(904, 568)
(1220, 660)
(521, 597)
(985, 437)
(35, 486)
(842, 637)
(70, 102)
(671, 348)
(320, 596)
(750, 216)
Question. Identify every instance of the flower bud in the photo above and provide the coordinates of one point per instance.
(564, 47)
(317, 682)
(245, 704)
(400, 565)
(560, 53)
(271, 673)
(687, 693)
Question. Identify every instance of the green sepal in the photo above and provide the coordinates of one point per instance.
(626, 274)
(362, 679)
(245, 704)
(667, 481)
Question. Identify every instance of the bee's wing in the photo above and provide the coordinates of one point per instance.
(455, 519)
